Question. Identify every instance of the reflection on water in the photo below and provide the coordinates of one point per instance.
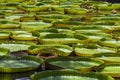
(18, 76)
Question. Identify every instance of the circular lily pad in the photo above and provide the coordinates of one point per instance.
(68, 75)
(10, 64)
(80, 64)
(110, 69)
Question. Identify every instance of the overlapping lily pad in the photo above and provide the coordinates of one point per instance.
(68, 75)
(10, 64)
(35, 25)
(111, 69)
(61, 50)
(22, 35)
(15, 47)
(4, 51)
(80, 64)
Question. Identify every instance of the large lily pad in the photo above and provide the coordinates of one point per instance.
(5, 24)
(27, 18)
(4, 51)
(4, 35)
(26, 63)
(68, 75)
(15, 17)
(61, 50)
(110, 43)
(111, 69)
(93, 37)
(80, 64)
(33, 8)
(35, 25)
(15, 47)
(91, 52)
(59, 41)
(110, 59)
(107, 18)
(76, 11)
(22, 35)
(53, 17)
(93, 27)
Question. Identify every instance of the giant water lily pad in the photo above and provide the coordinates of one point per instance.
(93, 36)
(22, 35)
(59, 38)
(5, 24)
(33, 8)
(17, 42)
(110, 59)
(4, 51)
(59, 41)
(111, 69)
(15, 17)
(91, 28)
(111, 43)
(15, 47)
(68, 75)
(53, 17)
(26, 18)
(26, 63)
(85, 51)
(49, 36)
(4, 35)
(107, 18)
(81, 64)
(61, 50)
(76, 11)
(35, 25)
(91, 52)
